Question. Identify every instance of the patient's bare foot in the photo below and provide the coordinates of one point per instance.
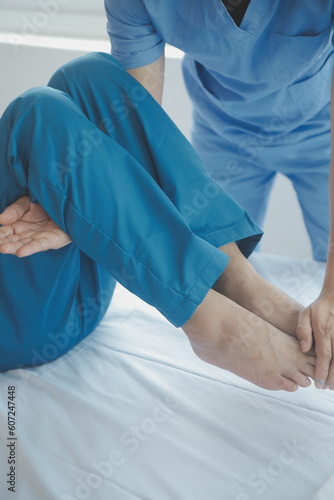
(225, 334)
(242, 284)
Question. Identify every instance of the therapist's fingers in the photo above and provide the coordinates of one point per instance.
(304, 330)
(323, 347)
(330, 379)
(15, 211)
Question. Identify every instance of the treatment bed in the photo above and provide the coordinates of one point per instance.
(132, 414)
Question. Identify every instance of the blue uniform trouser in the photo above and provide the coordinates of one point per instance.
(247, 170)
(113, 171)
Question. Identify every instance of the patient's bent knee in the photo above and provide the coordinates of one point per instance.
(75, 71)
(43, 100)
(87, 69)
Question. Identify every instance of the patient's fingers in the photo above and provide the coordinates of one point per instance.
(12, 246)
(15, 211)
(11, 238)
(23, 247)
(33, 246)
(304, 330)
(39, 245)
(31, 242)
(6, 231)
(12, 242)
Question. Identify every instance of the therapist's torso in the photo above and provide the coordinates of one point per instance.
(271, 74)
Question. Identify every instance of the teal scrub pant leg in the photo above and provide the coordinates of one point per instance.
(112, 170)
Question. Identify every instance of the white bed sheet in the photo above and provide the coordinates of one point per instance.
(131, 413)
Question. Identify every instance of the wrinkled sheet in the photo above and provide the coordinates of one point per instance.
(131, 413)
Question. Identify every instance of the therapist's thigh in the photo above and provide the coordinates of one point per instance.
(313, 195)
(249, 184)
(238, 169)
(307, 165)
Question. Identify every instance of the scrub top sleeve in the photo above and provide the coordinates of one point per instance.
(134, 40)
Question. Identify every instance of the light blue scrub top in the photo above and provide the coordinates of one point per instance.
(270, 76)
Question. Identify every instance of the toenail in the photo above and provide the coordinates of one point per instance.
(319, 383)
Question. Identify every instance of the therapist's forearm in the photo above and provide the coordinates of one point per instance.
(329, 276)
(151, 77)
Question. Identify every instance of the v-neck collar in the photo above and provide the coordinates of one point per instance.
(250, 23)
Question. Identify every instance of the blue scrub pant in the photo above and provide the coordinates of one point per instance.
(113, 171)
(247, 170)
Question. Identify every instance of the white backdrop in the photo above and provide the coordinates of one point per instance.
(79, 18)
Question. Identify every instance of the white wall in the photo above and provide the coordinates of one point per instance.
(27, 66)
(71, 18)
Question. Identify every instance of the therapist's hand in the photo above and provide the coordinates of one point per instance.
(317, 322)
(27, 229)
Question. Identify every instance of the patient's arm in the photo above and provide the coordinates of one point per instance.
(318, 319)
(27, 229)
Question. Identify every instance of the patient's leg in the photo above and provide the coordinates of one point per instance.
(117, 214)
(114, 211)
(119, 105)
(242, 284)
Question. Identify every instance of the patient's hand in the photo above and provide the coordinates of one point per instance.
(27, 229)
(317, 322)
